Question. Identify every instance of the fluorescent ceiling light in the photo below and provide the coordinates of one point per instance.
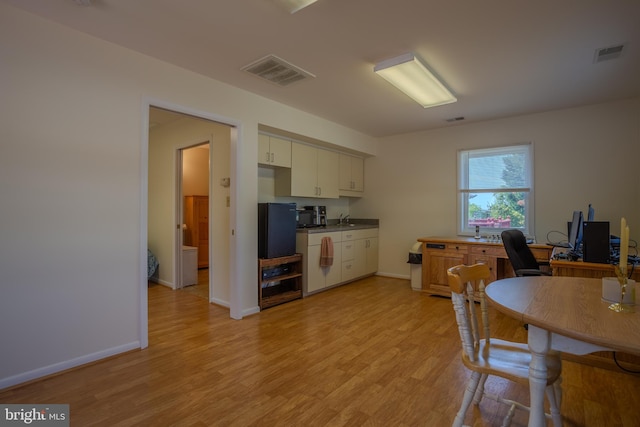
(295, 5)
(413, 78)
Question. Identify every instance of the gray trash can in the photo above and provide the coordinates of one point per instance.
(415, 261)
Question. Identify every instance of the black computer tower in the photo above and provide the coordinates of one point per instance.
(595, 242)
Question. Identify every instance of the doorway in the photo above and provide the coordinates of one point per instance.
(193, 197)
(172, 136)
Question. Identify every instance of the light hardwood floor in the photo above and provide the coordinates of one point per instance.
(371, 353)
(200, 289)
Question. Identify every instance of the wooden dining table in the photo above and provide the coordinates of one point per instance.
(566, 314)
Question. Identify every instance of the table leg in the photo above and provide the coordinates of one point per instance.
(539, 343)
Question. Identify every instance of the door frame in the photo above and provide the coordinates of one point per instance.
(235, 291)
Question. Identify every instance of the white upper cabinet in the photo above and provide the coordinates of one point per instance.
(328, 174)
(274, 151)
(351, 175)
(304, 175)
(314, 173)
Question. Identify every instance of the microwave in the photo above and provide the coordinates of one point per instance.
(310, 216)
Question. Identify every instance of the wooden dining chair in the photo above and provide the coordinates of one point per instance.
(490, 356)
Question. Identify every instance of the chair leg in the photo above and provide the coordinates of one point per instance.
(469, 392)
(477, 397)
(558, 389)
(554, 395)
(507, 419)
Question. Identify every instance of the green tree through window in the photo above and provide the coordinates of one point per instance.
(495, 189)
(511, 205)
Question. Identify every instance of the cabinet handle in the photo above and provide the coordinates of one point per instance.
(267, 157)
(272, 157)
(319, 191)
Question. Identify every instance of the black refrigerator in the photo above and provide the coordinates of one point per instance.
(276, 229)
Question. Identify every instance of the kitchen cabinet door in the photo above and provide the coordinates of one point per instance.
(304, 170)
(313, 173)
(315, 275)
(264, 151)
(317, 278)
(274, 151)
(351, 173)
(371, 261)
(328, 174)
(280, 150)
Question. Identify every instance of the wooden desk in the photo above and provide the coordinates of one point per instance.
(565, 314)
(441, 253)
(587, 269)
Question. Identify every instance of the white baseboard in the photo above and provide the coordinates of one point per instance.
(249, 311)
(220, 302)
(67, 364)
(394, 276)
(165, 283)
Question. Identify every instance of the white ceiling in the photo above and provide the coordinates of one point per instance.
(500, 57)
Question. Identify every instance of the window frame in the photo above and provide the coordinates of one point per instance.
(463, 189)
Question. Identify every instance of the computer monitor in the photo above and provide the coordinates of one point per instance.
(575, 231)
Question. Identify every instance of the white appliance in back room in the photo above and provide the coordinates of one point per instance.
(189, 266)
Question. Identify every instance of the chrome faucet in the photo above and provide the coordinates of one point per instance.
(344, 220)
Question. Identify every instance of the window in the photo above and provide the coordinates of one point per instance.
(495, 187)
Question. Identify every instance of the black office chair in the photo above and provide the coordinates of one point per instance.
(520, 256)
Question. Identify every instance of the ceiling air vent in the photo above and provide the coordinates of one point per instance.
(277, 70)
(607, 53)
(455, 119)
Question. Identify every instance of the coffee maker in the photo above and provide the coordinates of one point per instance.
(319, 214)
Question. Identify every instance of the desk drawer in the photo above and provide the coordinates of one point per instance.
(541, 254)
(449, 247)
(489, 250)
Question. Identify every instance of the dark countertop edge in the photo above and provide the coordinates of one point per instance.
(354, 224)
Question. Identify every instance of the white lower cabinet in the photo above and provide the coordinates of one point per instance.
(359, 253)
(352, 265)
(314, 277)
(355, 254)
(371, 254)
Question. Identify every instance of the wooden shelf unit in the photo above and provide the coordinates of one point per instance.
(282, 287)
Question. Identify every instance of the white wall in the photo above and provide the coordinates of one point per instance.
(72, 125)
(582, 155)
(195, 168)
